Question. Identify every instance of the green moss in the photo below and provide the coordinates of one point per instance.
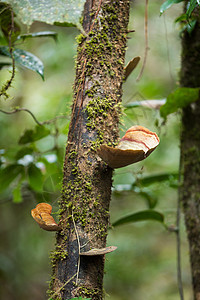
(82, 189)
(97, 108)
(80, 38)
(58, 254)
(84, 291)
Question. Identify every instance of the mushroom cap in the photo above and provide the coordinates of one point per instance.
(44, 207)
(136, 145)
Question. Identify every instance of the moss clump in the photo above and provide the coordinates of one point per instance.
(80, 38)
(84, 291)
(97, 111)
(58, 254)
(82, 191)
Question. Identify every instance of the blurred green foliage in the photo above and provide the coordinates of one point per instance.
(48, 11)
(144, 266)
(180, 98)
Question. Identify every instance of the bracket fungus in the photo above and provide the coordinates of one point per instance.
(135, 145)
(102, 251)
(42, 215)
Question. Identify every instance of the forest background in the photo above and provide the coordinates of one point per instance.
(145, 263)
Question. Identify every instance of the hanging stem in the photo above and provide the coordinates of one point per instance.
(146, 41)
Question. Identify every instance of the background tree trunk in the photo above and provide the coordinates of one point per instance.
(84, 207)
(190, 151)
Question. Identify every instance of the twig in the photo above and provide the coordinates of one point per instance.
(98, 9)
(51, 297)
(21, 109)
(168, 55)
(146, 42)
(32, 115)
(3, 9)
(79, 248)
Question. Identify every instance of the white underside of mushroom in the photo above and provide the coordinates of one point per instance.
(126, 145)
(149, 143)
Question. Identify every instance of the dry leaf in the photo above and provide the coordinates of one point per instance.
(132, 64)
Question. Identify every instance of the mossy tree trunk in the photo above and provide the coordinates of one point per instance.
(190, 151)
(84, 207)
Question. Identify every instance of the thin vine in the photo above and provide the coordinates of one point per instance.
(146, 41)
(32, 115)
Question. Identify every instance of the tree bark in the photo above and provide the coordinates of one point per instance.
(190, 151)
(84, 207)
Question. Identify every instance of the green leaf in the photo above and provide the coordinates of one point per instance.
(149, 196)
(151, 179)
(27, 137)
(8, 174)
(35, 177)
(52, 34)
(51, 167)
(180, 98)
(24, 151)
(25, 59)
(187, 24)
(146, 181)
(31, 135)
(192, 5)
(167, 4)
(190, 26)
(16, 192)
(48, 11)
(144, 192)
(6, 23)
(141, 216)
(181, 18)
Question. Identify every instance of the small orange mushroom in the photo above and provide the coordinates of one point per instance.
(42, 215)
(135, 145)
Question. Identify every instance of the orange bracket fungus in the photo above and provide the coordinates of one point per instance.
(42, 215)
(135, 145)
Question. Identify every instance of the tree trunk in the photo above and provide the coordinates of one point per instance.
(190, 152)
(84, 207)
